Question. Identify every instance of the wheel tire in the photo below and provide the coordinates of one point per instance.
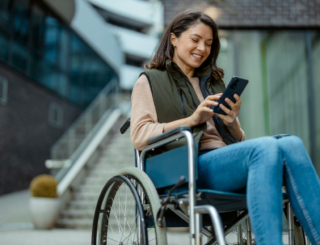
(151, 197)
(119, 215)
(140, 181)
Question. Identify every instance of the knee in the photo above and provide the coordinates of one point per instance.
(290, 143)
(266, 147)
(266, 144)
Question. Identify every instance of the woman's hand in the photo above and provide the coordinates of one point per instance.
(230, 119)
(203, 113)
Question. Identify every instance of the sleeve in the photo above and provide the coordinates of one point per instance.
(144, 122)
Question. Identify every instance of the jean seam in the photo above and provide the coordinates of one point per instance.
(301, 203)
(255, 216)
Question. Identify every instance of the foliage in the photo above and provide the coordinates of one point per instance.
(44, 186)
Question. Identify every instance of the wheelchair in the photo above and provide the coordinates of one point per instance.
(138, 204)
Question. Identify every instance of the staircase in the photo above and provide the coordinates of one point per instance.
(117, 154)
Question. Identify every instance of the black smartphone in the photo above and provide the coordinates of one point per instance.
(236, 86)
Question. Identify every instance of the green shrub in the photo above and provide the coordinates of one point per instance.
(44, 186)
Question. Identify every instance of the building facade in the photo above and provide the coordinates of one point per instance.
(55, 58)
(137, 25)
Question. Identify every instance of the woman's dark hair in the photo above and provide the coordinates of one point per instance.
(178, 25)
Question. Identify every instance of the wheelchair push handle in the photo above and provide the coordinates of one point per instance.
(125, 126)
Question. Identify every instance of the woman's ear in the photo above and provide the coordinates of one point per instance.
(173, 39)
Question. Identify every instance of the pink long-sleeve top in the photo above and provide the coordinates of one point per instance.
(144, 121)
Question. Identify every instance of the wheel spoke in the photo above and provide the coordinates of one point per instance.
(122, 222)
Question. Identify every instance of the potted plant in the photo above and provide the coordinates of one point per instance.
(44, 203)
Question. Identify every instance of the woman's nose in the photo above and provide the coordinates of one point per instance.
(201, 46)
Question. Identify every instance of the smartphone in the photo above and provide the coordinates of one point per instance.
(236, 86)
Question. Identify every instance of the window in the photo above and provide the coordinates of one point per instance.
(36, 42)
(3, 91)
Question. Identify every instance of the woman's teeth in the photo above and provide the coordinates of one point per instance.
(197, 56)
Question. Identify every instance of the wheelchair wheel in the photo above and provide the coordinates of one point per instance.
(121, 217)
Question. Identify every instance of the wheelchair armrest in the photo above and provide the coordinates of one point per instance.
(168, 134)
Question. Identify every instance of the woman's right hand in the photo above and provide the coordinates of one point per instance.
(203, 113)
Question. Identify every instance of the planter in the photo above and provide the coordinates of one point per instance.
(44, 211)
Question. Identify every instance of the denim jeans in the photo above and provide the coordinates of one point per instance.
(263, 165)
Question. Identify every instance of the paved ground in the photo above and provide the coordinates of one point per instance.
(16, 227)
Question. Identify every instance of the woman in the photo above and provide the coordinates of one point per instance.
(179, 88)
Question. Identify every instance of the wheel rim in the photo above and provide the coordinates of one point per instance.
(120, 220)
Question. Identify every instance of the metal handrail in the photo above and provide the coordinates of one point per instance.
(72, 143)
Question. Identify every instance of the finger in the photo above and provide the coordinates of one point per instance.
(207, 109)
(214, 97)
(230, 103)
(238, 100)
(225, 109)
(223, 117)
(208, 103)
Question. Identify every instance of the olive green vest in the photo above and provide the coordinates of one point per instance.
(175, 98)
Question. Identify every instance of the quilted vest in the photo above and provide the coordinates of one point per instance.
(175, 98)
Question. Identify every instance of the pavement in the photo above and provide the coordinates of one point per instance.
(16, 227)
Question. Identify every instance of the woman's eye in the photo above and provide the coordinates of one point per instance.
(209, 45)
(194, 40)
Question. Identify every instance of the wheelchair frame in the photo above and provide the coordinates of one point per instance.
(196, 211)
(195, 219)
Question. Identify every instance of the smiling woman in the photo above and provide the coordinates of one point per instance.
(180, 88)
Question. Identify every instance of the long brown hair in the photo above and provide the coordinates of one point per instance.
(178, 25)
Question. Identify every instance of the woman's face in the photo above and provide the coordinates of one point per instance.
(193, 46)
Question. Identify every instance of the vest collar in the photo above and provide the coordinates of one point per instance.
(176, 72)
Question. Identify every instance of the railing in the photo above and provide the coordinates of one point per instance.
(70, 146)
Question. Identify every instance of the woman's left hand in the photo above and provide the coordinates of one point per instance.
(230, 119)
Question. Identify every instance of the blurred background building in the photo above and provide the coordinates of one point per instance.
(65, 65)
(56, 57)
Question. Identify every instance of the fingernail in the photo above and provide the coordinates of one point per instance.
(227, 99)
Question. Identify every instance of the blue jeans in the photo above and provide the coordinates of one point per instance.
(263, 165)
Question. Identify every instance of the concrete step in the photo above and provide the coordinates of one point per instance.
(77, 214)
(82, 223)
(88, 214)
(93, 195)
(104, 173)
(83, 204)
(75, 223)
(89, 188)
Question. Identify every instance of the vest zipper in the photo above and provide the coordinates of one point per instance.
(182, 102)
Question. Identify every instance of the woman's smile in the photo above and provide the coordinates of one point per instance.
(197, 56)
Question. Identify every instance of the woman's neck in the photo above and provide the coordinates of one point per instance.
(187, 70)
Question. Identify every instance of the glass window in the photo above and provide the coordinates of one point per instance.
(4, 44)
(41, 46)
(52, 35)
(37, 29)
(20, 34)
(21, 20)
